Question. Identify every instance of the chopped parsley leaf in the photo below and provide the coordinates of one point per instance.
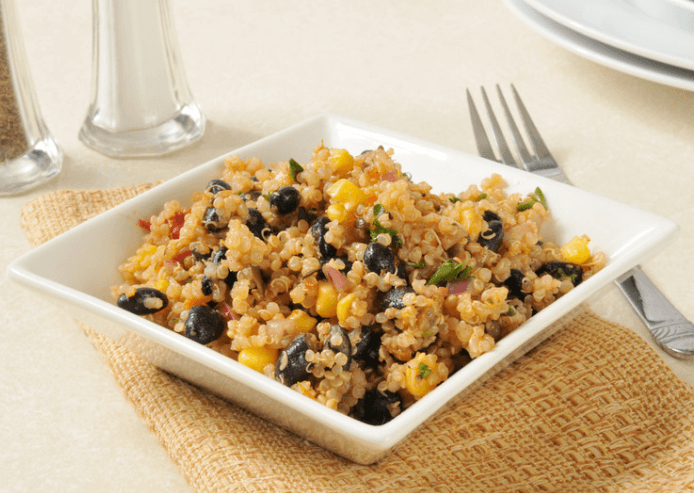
(294, 168)
(537, 196)
(379, 228)
(448, 271)
(419, 265)
(454, 200)
(424, 370)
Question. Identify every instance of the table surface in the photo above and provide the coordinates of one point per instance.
(257, 67)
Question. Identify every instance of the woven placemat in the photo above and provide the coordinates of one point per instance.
(592, 409)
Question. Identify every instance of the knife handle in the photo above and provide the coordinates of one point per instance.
(671, 330)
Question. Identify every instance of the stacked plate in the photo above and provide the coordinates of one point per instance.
(652, 39)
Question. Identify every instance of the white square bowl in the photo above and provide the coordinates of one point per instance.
(76, 269)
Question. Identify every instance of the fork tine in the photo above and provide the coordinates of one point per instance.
(534, 135)
(504, 150)
(525, 157)
(484, 148)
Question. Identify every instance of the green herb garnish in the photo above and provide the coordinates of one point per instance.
(294, 168)
(267, 196)
(538, 196)
(563, 275)
(419, 265)
(379, 228)
(541, 197)
(424, 370)
(450, 270)
(511, 311)
(456, 199)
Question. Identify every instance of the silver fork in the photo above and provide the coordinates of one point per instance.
(671, 330)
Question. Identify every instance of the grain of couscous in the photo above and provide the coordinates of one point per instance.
(346, 280)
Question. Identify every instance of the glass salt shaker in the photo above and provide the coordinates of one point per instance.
(141, 104)
(29, 156)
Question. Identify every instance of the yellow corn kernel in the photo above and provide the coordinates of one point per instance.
(345, 192)
(304, 321)
(576, 250)
(336, 212)
(258, 357)
(305, 388)
(161, 285)
(415, 380)
(343, 307)
(472, 221)
(144, 258)
(326, 302)
(341, 161)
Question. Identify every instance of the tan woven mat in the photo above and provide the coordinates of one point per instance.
(592, 409)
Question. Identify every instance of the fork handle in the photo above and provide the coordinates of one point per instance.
(672, 332)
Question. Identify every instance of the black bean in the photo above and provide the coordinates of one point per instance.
(393, 298)
(562, 270)
(285, 200)
(365, 343)
(220, 255)
(305, 214)
(217, 258)
(492, 237)
(141, 302)
(490, 216)
(378, 257)
(204, 324)
(250, 195)
(338, 341)
(514, 283)
(212, 221)
(201, 256)
(231, 278)
(291, 366)
(206, 286)
(375, 407)
(318, 228)
(216, 186)
(318, 231)
(256, 223)
(400, 269)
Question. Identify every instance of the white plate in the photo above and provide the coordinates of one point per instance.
(601, 53)
(76, 269)
(678, 13)
(620, 24)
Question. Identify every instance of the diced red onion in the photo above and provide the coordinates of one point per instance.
(338, 279)
(228, 312)
(457, 286)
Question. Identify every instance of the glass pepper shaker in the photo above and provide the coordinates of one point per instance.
(29, 154)
(141, 104)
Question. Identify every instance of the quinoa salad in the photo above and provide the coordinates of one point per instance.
(347, 280)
